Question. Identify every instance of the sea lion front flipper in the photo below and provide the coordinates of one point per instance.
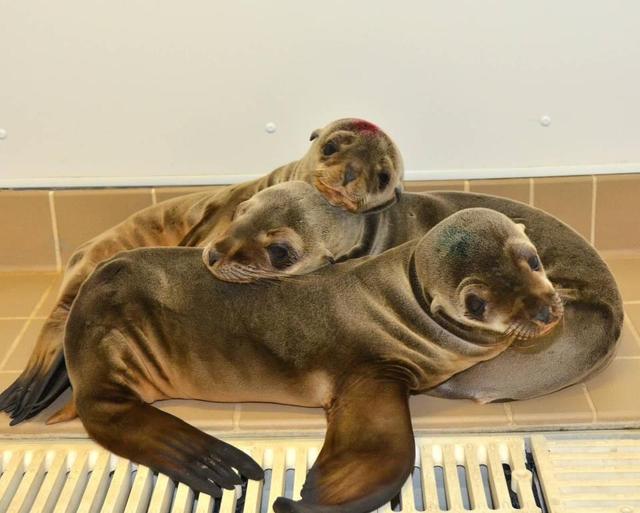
(147, 435)
(367, 455)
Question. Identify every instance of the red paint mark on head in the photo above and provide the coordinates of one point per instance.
(361, 125)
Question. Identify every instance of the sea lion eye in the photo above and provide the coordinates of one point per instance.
(279, 255)
(329, 149)
(534, 263)
(383, 179)
(475, 305)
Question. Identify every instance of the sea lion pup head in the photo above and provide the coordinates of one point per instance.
(357, 166)
(482, 272)
(283, 230)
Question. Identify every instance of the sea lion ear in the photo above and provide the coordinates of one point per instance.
(315, 134)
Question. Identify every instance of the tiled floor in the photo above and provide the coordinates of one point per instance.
(608, 399)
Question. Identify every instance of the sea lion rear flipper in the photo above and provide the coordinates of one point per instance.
(146, 435)
(35, 389)
(367, 455)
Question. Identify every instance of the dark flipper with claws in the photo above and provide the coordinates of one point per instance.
(367, 455)
(146, 435)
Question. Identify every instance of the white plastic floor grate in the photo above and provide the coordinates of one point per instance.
(589, 473)
(479, 474)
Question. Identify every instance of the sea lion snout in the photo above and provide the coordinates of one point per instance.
(541, 313)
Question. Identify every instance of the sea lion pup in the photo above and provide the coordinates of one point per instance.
(309, 234)
(356, 339)
(354, 164)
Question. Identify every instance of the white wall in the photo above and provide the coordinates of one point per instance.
(163, 91)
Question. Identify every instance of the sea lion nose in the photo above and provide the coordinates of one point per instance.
(544, 315)
(213, 256)
(350, 174)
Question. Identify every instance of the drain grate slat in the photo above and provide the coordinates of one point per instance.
(429, 488)
(474, 477)
(499, 491)
(10, 478)
(75, 483)
(140, 496)
(162, 495)
(452, 483)
(183, 500)
(29, 484)
(97, 484)
(120, 488)
(54, 481)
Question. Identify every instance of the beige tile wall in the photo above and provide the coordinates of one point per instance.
(40, 229)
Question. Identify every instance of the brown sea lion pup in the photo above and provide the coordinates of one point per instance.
(354, 164)
(356, 339)
(309, 233)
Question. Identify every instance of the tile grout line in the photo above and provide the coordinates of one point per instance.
(154, 198)
(633, 329)
(23, 318)
(508, 413)
(236, 417)
(592, 231)
(26, 325)
(54, 228)
(632, 302)
(531, 193)
(592, 407)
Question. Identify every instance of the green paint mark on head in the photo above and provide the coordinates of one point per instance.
(456, 242)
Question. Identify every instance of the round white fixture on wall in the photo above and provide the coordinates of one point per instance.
(270, 127)
(545, 120)
(3, 133)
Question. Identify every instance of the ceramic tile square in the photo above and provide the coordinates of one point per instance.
(202, 414)
(50, 300)
(626, 271)
(9, 330)
(434, 185)
(617, 212)
(165, 193)
(633, 315)
(516, 189)
(257, 416)
(19, 356)
(569, 199)
(433, 412)
(20, 292)
(27, 234)
(84, 214)
(614, 391)
(628, 344)
(568, 406)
